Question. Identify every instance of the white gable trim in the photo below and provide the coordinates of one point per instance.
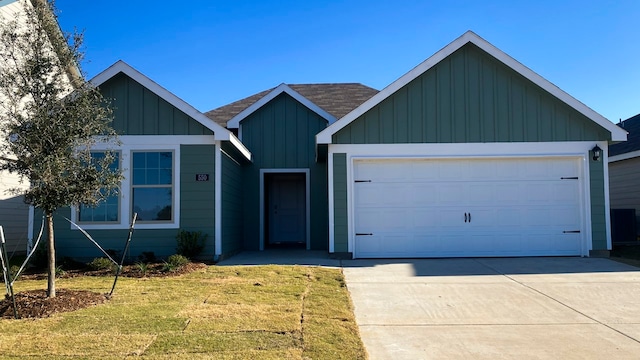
(624, 156)
(234, 123)
(219, 133)
(617, 134)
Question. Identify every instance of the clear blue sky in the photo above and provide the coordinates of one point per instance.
(211, 52)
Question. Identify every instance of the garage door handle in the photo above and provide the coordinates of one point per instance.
(465, 217)
(364, 234)
(469, 217)
(571, 232)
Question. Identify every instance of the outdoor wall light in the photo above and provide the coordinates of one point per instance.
(597, 152)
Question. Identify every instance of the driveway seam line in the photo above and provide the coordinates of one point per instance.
(558, 301)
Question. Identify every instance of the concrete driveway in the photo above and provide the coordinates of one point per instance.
(513, 308)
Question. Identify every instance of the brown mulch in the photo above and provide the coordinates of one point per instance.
(132, 271)
(35, 304)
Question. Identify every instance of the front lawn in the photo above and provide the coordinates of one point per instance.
(235, 312)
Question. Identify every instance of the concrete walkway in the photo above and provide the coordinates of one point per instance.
(513, 308)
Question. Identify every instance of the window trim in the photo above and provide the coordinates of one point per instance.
(76, 210)
(128, 145)
(156, 186)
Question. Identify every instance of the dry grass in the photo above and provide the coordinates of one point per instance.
(259, 312)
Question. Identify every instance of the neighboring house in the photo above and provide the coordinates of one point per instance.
(624, 181)
(13, 211)
(468, 154)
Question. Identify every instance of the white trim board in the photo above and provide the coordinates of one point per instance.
(625, 156)
(305, 171)
(577, 149)
(219, 132)
(234, 123)
(218, 201)
(126, 212)
(617, 133)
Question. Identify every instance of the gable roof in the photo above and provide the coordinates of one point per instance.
(336, 100)
(325, 136)
(219, 132)
(631, 147)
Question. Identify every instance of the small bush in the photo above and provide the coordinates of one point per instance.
(101, 263)
(190, 243)
(177, 260)
(60, 271)
(13, 270)
(142, 267)
(168, 267)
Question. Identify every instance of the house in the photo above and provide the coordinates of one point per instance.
(14, 213)
(624, 183)
(468, 154)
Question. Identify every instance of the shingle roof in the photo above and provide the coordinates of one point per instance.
(336, 99)
(632, 125)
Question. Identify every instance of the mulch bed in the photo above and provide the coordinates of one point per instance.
(35, 304)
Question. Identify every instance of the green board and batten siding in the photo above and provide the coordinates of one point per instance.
(138, 111)
(598, 215)
(197, 201)
(470, 97)
(281, 135)
(340, 226)
(197, 198)
(232, 190)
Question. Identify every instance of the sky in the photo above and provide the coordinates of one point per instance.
(213, 52)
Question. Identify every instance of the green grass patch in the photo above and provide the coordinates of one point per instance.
(252, 312)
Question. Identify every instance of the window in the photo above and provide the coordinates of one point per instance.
(152, 185)
(106, 211)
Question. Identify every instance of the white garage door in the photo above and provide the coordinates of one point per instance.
(470, 207)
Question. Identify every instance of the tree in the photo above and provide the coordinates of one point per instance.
(50, 118)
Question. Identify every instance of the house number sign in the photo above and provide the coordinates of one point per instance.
(202, 177)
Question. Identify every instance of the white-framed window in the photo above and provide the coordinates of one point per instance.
(107, 211)
(152, 194)
(150, 186)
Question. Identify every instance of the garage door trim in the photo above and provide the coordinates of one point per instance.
(576, 150)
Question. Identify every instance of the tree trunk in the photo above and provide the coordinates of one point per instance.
(51, 263)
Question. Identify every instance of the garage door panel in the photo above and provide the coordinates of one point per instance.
(517, 207)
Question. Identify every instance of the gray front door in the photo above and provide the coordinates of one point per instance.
(286, 209)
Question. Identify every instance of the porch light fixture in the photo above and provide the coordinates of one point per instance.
(597, 152)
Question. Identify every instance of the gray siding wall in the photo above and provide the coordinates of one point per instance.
(138, 111)
(598, 214)
(14, 219)
(340, 215)
(281, 135)
(231, 205)
(470, 97)
(624, 184)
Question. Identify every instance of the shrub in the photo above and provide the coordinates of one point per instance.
(101, 263)
(177, 260)
(60, 271)
(143, 267)
(13, 270)
(190, 243)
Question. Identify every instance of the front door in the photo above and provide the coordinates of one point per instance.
(286, 209)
